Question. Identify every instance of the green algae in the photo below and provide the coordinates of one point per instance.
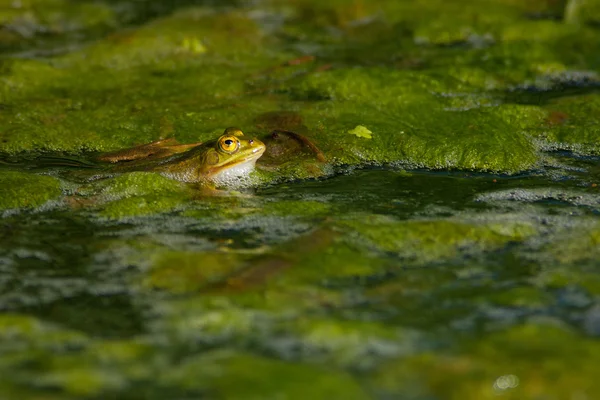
(55, 12)
(260, 377)
(570, 261)
(78, 381)
(582, 12)
(139, 193)
(572, 124)
(135, 206)
(184, 272)
(25, 190)
(24, 328)
(417, 120)
(33, 345)
(522, 297)
(334, 266)
(411, 124)
(429, 240)
(577, 246)
(140, 184)
(35, 25)
(531, 355)
(354, 344)
(580, 277)
(149, 59)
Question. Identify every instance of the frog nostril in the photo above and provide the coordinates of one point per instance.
(250, 141)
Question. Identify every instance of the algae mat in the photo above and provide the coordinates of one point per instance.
(447, 249)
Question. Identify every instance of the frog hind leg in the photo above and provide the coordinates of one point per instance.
(304, 141)
(158, 149)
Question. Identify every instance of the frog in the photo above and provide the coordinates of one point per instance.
(219, 162)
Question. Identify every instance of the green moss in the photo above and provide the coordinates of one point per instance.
(103, 367)
(20, 327)
(585, 277)
(470, 19)
(259, 378)
(521, 297)
(139, 193)
(56, 13)
(76, 380)
(113, 94)
(141, 184)
(138, 206)
(582, 11)
(323, 255)
(185, 271)
(337, 265)
(570, 259)
(428, 240)
(576, 246)
(20, 189)
(117, 351)
(405, 117)
(46, 23)
(214, 319)
(29, 336)
(406, 121)
(353, 344)
(528, 118)
(573, 124)
(533, 357)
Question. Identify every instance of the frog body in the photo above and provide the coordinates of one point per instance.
(219, 162)
(228, 160)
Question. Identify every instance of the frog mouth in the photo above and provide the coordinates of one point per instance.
(250, 157)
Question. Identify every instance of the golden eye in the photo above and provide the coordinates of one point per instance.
(229, 144)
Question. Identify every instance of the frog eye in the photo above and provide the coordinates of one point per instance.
(229, 144)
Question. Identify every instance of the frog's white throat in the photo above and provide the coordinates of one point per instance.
(236, 175)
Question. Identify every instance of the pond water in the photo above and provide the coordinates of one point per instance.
(446, 249)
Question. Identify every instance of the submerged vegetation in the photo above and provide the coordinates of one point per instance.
(434, 235)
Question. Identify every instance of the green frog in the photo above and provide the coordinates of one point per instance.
(219, 162)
